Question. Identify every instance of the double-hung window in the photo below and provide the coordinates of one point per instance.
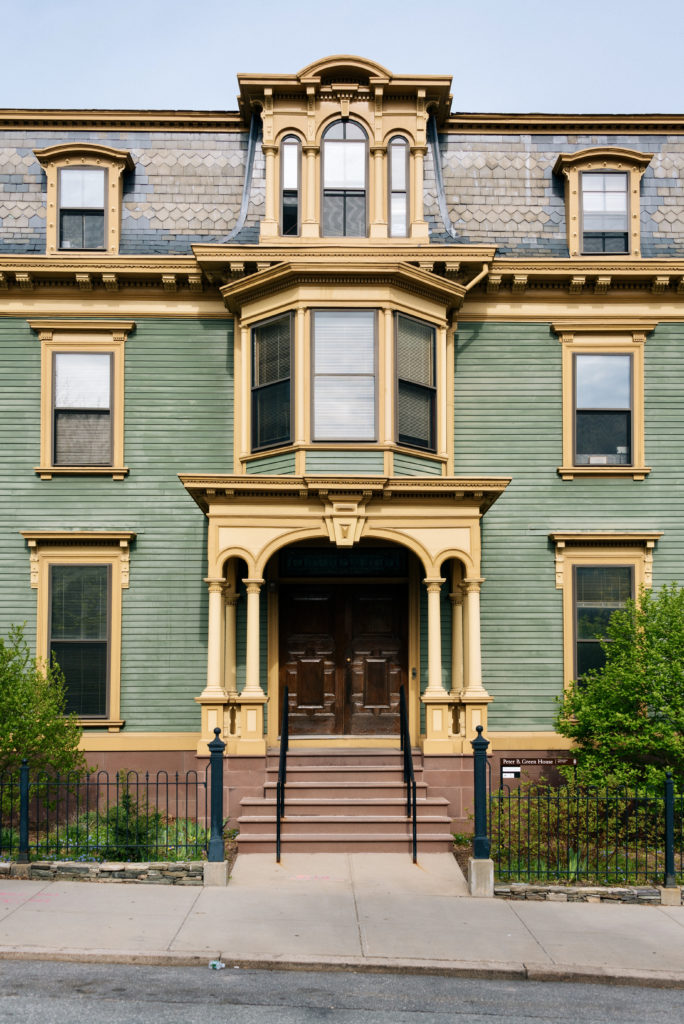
(345, 171)
(79, 577)
(82, 396)
(416, 387)
(79, 634)
(599, 590)
(271, 382)
(82, 207)
(344, 375)
(603, 410)
(398, 163)
(82, 429)
(290, 175)
(605, 212)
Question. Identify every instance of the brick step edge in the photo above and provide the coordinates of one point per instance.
(652, 895)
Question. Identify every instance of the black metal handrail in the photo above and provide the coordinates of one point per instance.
(282, 768)
(409, 776)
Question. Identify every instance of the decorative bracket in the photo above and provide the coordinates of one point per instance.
(345, 520)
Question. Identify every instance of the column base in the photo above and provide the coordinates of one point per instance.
(437, 732)
(214, 715)
(473, 712)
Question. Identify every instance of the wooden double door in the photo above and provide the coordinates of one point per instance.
(343, 656)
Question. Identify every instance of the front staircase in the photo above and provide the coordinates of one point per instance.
(351, 801)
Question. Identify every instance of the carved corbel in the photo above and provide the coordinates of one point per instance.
(660, 284)
(494, 283)
(170, 282)
(519, 284)
(111, 282)
(602, 284)
(84, 282)
(24, 280)
(577, 283)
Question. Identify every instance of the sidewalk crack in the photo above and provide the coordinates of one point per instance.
(187, 915)
(362, 941)
(527, 928)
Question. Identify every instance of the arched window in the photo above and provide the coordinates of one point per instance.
(345, 172)
(290, 178)
(398, 187)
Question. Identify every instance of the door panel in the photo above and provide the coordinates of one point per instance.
(343, 657)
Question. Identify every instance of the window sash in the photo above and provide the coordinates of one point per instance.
(603, 399)
(344, 374)
(345, 181)
(416, 392)
(290, 185)
(79, 634)
(272, 382)
(598, 591)
(398, 171)
(82, 421)
(605, 212)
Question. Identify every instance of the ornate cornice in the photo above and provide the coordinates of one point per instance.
(584, 275)
(618, 124)
(132, 120)
(213, 488)
(91, 272)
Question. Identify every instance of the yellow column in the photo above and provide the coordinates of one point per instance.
(269, 225)
(230, 644)
(473, 696)
(252, 698)
(435, 698)
(213, 698)
(378, 224)
(419, 227)
(310, 226)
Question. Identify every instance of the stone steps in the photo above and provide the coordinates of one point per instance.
(343, 801)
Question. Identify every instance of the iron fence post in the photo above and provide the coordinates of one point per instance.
(481, 844)
(670, 879)
(216, 747)
(24, 812)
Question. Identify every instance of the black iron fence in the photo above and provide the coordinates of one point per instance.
(128, 816)
(572, 833)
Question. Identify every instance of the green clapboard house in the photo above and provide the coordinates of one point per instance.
(332, 394)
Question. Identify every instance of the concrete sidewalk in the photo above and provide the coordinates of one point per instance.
(343, 911)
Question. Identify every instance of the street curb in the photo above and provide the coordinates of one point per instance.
(485, 970)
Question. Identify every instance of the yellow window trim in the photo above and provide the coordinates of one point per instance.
(85, 154)
(628, 161)
(86, 547)
(618, 338)
(597, 548)
(81, 336)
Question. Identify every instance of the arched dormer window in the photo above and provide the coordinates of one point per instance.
(345, 174)
(290, 185)
(398, 190)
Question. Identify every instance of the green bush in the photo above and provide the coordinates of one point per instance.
(577, 833)
(627, 718)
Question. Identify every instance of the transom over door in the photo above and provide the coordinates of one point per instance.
(342, 655)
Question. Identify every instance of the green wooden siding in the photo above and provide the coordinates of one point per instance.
(178, 418)
(508, 422)
(283, 463)
(415, 465)
(340, 461)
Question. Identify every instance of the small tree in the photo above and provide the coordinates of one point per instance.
(33, 723)
(627, 717)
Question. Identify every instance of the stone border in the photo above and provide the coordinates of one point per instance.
(186, 872)
(648, 895)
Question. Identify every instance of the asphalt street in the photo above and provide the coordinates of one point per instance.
(36, 992)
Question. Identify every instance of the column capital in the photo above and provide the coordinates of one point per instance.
(472, 584)
(269, 149)
(310, 148)
(434, 584)
(418, 150)
(215, 584)
(456, 596)
(253, 585)
(378, 150)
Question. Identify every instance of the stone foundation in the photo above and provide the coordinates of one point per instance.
(652, 895)
(153, 873)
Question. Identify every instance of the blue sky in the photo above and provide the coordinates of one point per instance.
(587, 56)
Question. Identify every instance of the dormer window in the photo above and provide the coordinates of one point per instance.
(398, 187)
(290, 178)
(81, 208)
(345, 173)
(84, 196)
